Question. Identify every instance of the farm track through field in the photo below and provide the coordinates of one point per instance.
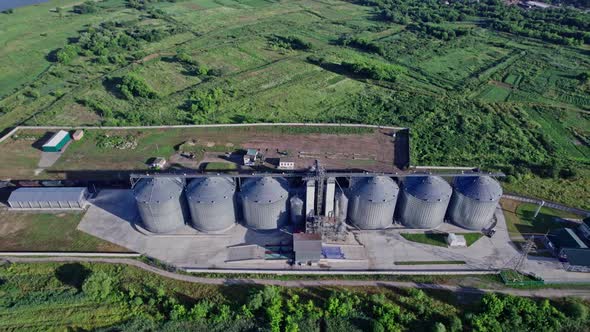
(540, 293)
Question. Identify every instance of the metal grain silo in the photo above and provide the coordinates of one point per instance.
(161, 203)
(264, 203)
(296, 210)
(211, 202)
(341, 206)
(372, 202)
(424, 201)
(474, 201)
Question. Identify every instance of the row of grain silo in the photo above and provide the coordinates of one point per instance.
(210, 204)
(266, 203)
(423, 202)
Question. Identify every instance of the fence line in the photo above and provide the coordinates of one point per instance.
(549, 204)
(224, 125)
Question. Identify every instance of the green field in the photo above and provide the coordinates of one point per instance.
(84, 296)
(22, 231)
(473, 93)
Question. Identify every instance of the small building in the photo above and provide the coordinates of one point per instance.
(576, 260)
(158, 163)
(51, 198)
(286, 163)
(564, 238)
(584, 228)
(537, 4)
(250, 157)
(307, 248)
(56, 142)
(454, 240)
(78, 134)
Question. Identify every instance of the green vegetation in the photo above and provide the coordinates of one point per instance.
(482, 84)
(519, 218)
(439, 239)
(120, 298)
(23, 231)
(219, 166)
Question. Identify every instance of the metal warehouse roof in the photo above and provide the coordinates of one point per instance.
(578, 257)
(566, 238)
(56, 138)
(53, 194)
(428, 188)
(480, 188)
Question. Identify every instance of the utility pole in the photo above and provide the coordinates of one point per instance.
(538, 209)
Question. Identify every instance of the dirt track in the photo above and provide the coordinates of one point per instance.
(541, 293)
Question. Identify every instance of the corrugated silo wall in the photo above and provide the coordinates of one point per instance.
(469, 213)
(371, 215)
(297, 212)
(341, 206)
(416, 213)
(266, 216)
(213, 216)
(163, 217)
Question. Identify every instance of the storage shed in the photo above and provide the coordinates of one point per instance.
(48, 198)
(307, 247)
(57, 141)
(454, 240)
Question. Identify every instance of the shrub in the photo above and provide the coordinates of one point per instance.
(99, 286)
(88, 7)
(67, 54)
(133, 85)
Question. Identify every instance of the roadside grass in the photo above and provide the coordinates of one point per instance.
(439, 239)
(520, 222)
(32, 231)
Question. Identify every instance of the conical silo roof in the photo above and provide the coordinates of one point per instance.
(428, 188)
(480, 188)
(377, 189)
(158, 189)
(210, 189)
(265, 190)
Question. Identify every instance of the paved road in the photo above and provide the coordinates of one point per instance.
(543, 293)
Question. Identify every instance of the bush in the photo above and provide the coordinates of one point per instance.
(133, 85)
(67, 54)
(88, 7)
(99, 286)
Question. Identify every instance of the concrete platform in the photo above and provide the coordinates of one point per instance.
(112, 216)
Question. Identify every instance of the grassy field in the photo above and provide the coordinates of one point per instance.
(22, 231)
(112, 151)
(75, 296)
(438, 239)
(519, 218)
(483, 98)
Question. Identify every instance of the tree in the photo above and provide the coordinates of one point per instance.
(99, 286)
